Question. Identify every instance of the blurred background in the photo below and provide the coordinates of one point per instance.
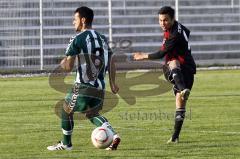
(35, 33)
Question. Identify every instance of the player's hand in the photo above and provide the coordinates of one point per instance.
(114, 88)
(140, 56)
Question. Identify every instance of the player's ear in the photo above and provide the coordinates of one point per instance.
(83, 20)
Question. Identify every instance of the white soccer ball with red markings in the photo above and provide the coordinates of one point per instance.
(102, 137)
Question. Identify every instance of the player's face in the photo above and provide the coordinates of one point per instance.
(77, 22)
(165, 21)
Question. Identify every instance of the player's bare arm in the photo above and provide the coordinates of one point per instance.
(140, 56)
(168, 47)
(112, 75)
(67, 63)
(151, 56)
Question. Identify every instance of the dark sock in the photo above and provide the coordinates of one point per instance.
(178, 78)
(67, 140)
(179, 118)
(67, 127)
(100, 121)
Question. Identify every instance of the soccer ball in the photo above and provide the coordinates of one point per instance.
(102, 137)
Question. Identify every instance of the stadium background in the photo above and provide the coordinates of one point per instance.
(215, 26)
(29, 122)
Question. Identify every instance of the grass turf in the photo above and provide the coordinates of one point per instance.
(211, 129)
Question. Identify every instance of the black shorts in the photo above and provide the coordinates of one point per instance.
(188, 78)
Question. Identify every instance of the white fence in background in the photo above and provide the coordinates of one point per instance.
(35, 33)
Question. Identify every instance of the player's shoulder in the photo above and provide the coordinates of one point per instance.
(77, 37)
(101, 36)
(81, 35)
(94, 33)
(178, 29)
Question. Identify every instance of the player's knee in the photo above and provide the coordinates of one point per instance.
(167, 73)
(177, 75)
(174, 64)
(176, 71)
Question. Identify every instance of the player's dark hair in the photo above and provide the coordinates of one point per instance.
(85, 12)
(167, 10)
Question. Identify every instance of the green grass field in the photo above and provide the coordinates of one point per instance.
(211, 130)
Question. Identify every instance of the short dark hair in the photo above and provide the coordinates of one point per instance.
(167, 10)
(85, 12)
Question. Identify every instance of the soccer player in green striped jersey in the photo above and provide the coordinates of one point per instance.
(94, 57)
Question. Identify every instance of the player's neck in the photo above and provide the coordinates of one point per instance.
(86, 28)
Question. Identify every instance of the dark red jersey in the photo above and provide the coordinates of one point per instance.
(176, 47)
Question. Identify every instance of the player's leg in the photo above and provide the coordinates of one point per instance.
(100, 120)
(67, 124)
(70, 105)
(179, 118)
(180, 107)
(177, 76)
(67, 127)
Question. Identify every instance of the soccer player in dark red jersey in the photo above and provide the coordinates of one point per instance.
(179, 68)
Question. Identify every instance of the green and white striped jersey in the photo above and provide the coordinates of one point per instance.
(93, 54)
